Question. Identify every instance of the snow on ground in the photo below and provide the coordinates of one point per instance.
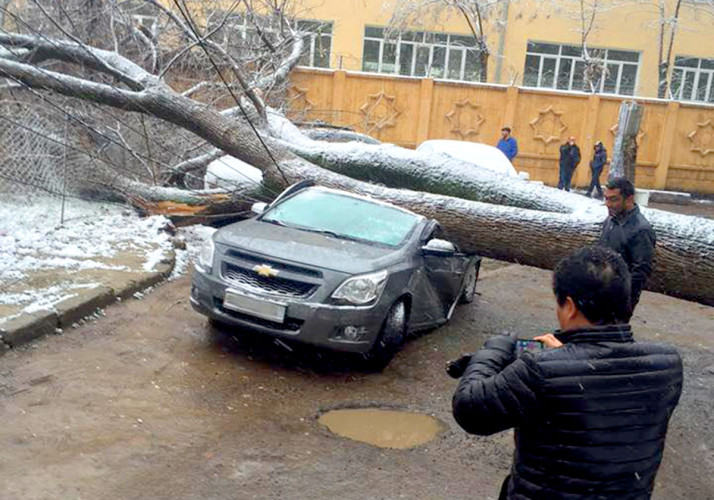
(32, 241)
(194, 236)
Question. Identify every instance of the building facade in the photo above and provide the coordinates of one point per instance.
(532, 43)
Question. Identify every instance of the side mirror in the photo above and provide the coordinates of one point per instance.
(258, 208)
(439, 247)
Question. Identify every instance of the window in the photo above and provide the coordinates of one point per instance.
(318, 43)
(238, 33)
(421, 53)
(693, 79)
(562, 67)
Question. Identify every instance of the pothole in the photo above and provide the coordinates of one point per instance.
(383, 428)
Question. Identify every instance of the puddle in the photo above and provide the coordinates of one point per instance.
(383, 428)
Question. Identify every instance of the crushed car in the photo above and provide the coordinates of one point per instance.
(333, 269)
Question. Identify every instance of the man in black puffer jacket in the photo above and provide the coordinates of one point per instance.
(590, 414)
(627, 232)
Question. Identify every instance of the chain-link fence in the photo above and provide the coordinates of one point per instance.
(67, 147)
(33, 154)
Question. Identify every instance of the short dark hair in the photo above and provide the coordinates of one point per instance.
(506, 128)
(597, 280)
(625, 186)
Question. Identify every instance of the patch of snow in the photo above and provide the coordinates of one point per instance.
(41, 299)
(153, 258)
(480, 155)
(194, 236)
(32, 238)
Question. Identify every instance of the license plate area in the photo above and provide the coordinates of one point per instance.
(264, 309)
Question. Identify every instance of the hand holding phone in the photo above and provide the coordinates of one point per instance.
(528, 345)
(549, 340)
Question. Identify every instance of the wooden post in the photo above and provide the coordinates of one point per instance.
(426, 93)
(665, 145)
(587, 142)
(338, 95)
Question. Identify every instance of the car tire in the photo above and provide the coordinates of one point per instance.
(390, 338)
(470, 280)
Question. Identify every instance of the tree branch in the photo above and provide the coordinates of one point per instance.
(110, 63)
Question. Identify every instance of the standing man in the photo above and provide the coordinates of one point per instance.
(627, 232)
(591, 413)
(507, 144)
(569, 159)
(596, 166)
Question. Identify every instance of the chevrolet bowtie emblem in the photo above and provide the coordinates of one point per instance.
(265, 270)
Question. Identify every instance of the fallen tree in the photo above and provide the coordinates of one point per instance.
(504, 219)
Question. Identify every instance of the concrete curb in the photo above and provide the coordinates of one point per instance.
(28, 327)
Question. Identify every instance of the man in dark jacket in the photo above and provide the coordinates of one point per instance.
(591, 414)
(596, 166)
(569, 159)
(627, 232)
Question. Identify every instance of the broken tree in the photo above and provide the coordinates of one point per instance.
(483, 211)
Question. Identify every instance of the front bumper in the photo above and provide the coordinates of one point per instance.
(309, 322)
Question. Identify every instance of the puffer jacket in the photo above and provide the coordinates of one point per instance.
(634, 239)
(590, 417)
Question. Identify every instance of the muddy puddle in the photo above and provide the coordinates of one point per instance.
(382, 428)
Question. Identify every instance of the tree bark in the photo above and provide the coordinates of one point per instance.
(624, 154)
(540, 227)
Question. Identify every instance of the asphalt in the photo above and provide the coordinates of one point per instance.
(151, 402)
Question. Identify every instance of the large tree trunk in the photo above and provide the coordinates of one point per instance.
(624, 154)
(541, 226)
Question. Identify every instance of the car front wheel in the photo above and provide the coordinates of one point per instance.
(469, 291)
(390, 339)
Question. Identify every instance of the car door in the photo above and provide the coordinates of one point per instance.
(445, 273)
(437, 283)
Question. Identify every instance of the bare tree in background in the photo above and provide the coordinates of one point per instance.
(420, 13)
(667, 23)
(484, 211)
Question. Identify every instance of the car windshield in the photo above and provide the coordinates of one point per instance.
(343, 217)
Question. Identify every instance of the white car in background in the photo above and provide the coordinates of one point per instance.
(229, 172)
(481, 155)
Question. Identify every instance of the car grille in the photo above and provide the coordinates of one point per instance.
(281, 266)
(276, 286)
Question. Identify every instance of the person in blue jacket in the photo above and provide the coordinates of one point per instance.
(507, 144)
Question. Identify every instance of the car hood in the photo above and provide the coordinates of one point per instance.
(303, 247)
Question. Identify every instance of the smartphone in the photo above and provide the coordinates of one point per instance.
(528, 345)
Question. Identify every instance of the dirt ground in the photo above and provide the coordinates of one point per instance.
(151, 403)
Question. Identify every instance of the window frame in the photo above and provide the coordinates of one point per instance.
(430, 40)
(313, 37)
(560, 57)
(698, 72)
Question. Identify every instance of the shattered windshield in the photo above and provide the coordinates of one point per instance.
(343, 216)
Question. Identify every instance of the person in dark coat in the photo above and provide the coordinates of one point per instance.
(569, 160)
(590, 412)
(627, 232)
(596, 166)
(508, 144)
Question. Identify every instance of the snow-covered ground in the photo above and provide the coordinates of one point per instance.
(194, 236)
(40, 260)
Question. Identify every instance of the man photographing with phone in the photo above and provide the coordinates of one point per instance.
(590, 413)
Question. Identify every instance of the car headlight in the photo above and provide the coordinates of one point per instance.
(205, 258)
(361, 289)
